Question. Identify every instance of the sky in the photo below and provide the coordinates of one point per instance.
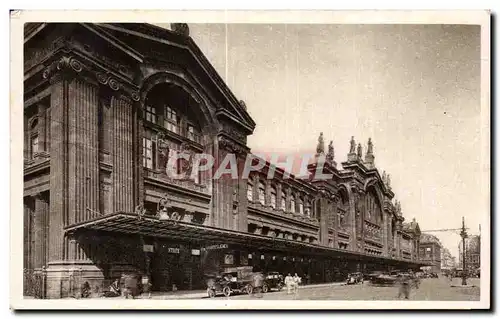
(414, 89)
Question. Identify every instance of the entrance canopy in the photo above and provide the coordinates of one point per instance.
(128, 223)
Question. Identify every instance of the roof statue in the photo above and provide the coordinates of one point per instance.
(353, 145)
(360, 151)
(388, 181)
(370, 146)
(320, 149)
(243, 104)
(384, 177)
(180, 28)
(331, 151)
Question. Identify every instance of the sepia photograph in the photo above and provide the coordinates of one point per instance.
(274, 160)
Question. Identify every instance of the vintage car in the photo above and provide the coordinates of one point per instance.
(236, 280)
(274, 280)
(354, 278)
(384, 279)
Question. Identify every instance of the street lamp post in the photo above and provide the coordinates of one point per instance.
(463, 234)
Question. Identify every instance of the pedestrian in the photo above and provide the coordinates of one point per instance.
(258, 284)
(289, 283)
(296, 281)
(146, 286)
(404, 287)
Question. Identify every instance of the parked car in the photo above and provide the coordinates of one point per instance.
(229, 283)
(354, 278)
(225, 283)
(274, 280)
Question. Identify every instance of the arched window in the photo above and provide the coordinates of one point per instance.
(283, 201)
(273, 197)
(262, 193)
(292, 204)
(373, 207)
(250, 191)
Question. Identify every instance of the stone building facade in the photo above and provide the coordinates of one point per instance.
(430, 252)
(106, 105)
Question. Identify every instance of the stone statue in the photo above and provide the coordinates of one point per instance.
(180, 28)
(243, 104)
(360, 151)
(384, 177)
(370, 146)
(331, 151)
(388, 181)
(353, 145)
(320, 149)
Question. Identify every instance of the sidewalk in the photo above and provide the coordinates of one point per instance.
(198, 294)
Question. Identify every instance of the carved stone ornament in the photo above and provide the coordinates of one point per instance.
(231, 146)
(140, 210)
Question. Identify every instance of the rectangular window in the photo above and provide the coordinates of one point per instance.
(34, 145)
(150, 114)
(149, 150)
(171, 120)
(250, 192)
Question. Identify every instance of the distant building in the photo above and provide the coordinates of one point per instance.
(430, 252)
(448, 261)
(472, 253)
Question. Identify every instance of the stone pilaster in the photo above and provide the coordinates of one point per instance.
(41, 128)
(40, 231)
(242, 197)
(58, 168)
(83, 173)
(385, 232)
(122, 154)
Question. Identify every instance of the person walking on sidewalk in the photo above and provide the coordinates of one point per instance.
(289, 283)
(296, 280)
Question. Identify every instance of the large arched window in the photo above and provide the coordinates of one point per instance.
(273, 196)
(172, 113)
(262, 193)
(373, 207)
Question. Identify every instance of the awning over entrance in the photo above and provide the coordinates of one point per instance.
(154, 227)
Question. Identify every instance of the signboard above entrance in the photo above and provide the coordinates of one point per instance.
(148, 248)
(214, 247)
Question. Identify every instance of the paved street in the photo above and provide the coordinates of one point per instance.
(437, 289)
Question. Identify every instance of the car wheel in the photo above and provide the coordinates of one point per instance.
(265, 288)
(249, 289)
(211, 293)
(226, 291)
